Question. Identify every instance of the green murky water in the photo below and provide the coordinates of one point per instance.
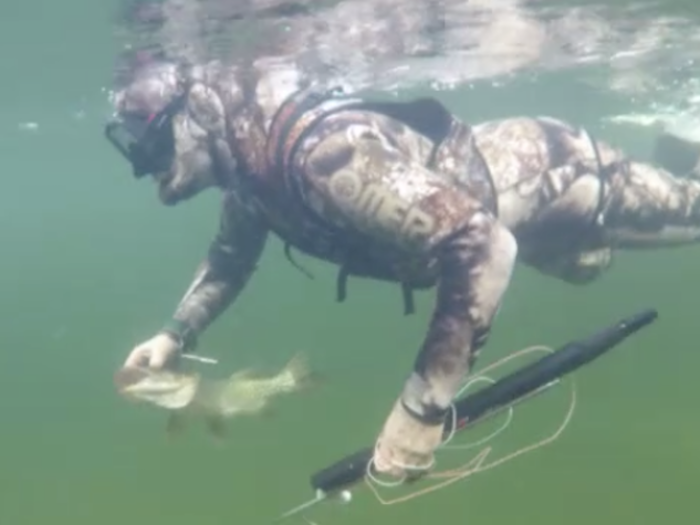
(91, 264)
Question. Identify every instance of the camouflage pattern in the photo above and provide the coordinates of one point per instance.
(571, 200)
(402, 192)
(232, 259)
(385, 201)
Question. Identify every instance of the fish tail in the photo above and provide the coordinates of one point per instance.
(297, 374)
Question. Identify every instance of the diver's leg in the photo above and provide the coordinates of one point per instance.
(647, 207)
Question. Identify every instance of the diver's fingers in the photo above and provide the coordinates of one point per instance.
(163, 354)
(157, 360)
(127, 376)
(155, 353)
(137, 358)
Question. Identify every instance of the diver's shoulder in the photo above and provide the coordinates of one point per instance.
(240, 202)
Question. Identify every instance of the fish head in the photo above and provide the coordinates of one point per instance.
(163, 388)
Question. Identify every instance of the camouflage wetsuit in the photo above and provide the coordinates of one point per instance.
(410, 194)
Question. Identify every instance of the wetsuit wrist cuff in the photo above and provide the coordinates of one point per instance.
(419, 402)
(430, 416)
(182, 333)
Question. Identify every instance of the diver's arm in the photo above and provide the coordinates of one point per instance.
(425, 215)
(232, 259)
(475, 264)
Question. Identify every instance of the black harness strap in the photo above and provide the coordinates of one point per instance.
(283, 122)
(281, 152)
(603, 173)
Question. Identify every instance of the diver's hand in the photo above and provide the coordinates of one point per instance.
(406, 445)
(158, 352)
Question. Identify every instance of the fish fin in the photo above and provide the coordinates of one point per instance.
(300, 374)
(175, 425)
(217, 427)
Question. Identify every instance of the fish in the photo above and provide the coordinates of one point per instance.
(190, 395)
(164, 388)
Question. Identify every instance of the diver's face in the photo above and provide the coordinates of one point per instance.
(169, 135)
(192, 168)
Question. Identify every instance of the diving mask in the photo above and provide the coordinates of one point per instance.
(146, 141)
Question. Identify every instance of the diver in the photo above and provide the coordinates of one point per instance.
(403, 192)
